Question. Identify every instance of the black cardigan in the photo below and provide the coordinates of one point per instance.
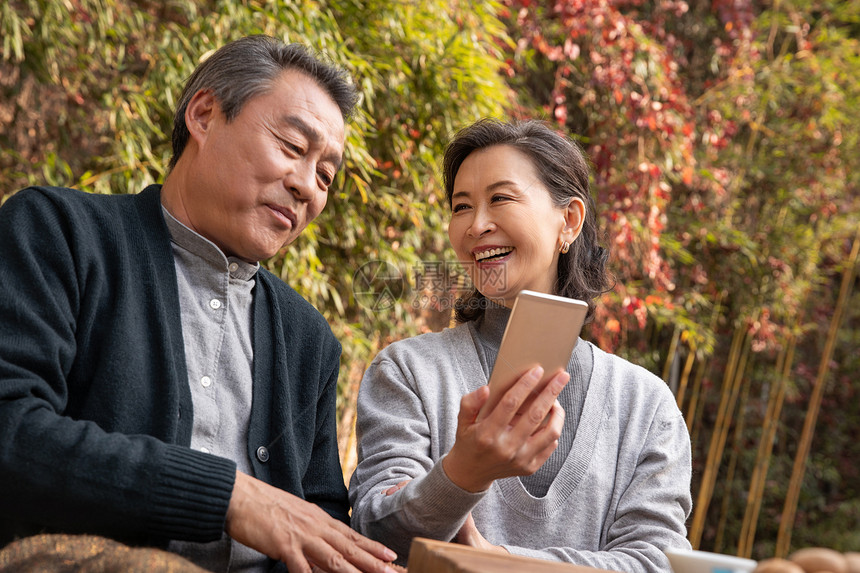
(95, 407)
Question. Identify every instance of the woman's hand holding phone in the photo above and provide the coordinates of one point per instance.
(508, 440)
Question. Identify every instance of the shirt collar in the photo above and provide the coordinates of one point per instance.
(202, 247)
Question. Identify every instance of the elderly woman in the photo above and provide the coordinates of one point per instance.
(596, 469)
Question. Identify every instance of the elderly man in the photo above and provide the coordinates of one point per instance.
(156, 385)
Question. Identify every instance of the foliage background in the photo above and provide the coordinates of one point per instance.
(723, 136)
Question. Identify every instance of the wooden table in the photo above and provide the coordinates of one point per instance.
(428, 556)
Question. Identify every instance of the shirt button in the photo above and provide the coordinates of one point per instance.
(263, 454)
(233, 267)
(204, 450)
(215, 304)
(206, 381)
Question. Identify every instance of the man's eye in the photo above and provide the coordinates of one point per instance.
(292, 147)
(326, 179)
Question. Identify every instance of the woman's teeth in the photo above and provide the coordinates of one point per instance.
(492, 253)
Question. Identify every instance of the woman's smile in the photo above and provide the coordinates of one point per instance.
(504, 226)
(491, 254)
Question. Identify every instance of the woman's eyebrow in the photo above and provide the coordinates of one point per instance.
(502, 183)
(490, 187)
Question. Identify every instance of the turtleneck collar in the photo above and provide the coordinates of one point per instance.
(491, 326)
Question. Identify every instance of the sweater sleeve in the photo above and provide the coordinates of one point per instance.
(59, 472)
(394, 445)
(652, 509)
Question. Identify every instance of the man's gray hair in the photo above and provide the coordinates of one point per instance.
(248, 67)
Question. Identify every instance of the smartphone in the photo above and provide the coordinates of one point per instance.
(542, 330)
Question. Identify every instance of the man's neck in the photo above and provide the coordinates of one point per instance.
(172, 197)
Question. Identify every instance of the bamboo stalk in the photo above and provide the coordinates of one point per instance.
(670, 356)
(685, 376)
(765, 450)
(717, 445)
(693, 409)
(786, 523)
(736, 447)
(770, 424)
(744, 543)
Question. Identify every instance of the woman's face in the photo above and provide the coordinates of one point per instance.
(504, 227)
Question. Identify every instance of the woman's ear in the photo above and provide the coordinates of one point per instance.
(574, 217)
(199, 114)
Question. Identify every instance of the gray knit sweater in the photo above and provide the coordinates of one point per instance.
(621, 496)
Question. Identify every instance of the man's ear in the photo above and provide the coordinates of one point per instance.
(199, 114)
(574, 217)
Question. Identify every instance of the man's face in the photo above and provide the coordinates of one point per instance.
(257, 181)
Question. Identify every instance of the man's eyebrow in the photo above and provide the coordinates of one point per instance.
(314, 135)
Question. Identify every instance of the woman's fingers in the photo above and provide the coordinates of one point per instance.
(545, 440)
(467, 531)
(395, 488)
(512, 401)
(534, 416)
(515, 438)
(537, 431)
(471, 404)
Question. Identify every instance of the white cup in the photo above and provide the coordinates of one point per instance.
(692, 561)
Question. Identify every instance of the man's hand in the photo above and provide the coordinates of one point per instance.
(299, 533)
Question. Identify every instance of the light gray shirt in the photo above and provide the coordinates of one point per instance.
(215, 300)
(621, 496)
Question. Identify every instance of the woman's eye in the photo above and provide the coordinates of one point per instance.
(459, 207)
(497, 198)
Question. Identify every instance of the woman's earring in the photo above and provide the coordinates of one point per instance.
(565, 247)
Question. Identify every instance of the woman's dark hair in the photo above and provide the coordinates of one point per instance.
(246, 68)
(563, 169)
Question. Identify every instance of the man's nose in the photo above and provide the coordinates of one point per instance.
(301, 181)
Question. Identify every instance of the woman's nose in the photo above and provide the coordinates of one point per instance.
(481, 224)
